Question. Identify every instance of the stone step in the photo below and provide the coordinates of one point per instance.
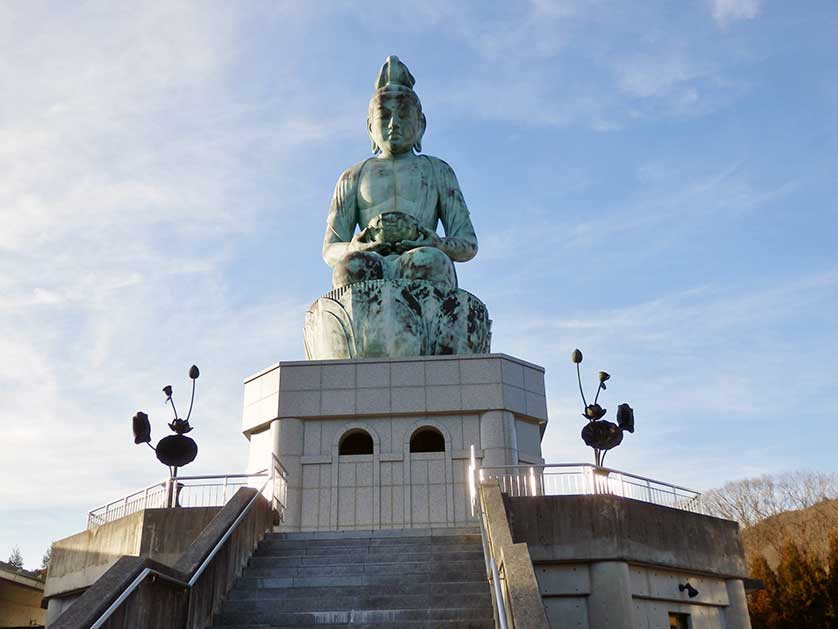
(355, 557)
(412, 624)
(441, 567)
(435, 588)
(248, 581)
(372, 601)
(377, 533)
(402, 543)
(411, 578)
(391, 617)
(372, 542)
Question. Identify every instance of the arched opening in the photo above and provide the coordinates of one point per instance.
(355, 442)
(427, 439)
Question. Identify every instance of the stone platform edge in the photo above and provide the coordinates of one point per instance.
(391, 387)
(399, 359)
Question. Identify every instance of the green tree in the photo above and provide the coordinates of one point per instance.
(16, 558)
(44, 569)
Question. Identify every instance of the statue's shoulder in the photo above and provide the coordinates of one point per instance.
(439, 166)
(436, 162)
(352, 173)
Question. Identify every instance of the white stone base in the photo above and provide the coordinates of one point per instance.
(300, 411)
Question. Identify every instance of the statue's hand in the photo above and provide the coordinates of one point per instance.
(365, 240)
(427, 238)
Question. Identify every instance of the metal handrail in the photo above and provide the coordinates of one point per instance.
(140, 499)
(200, 570)
(492, 572)
(534, 480)
(592, 467)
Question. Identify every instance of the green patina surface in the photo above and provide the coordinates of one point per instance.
(395, 200)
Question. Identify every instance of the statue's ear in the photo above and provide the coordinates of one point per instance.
(423, 123)
(373, 146)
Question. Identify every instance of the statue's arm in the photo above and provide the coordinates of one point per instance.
(460, 241)
(342, 219)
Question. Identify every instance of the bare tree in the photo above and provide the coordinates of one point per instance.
(773, 510)
(752, 500)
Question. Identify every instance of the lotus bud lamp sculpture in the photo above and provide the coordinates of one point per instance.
(599, 434)
(175, 450)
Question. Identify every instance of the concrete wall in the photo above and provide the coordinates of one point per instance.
(301, 410)
(20, 604)
(605, 562)
(79, 560)
(582, 528)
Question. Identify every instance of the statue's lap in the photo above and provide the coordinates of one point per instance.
(422, 263)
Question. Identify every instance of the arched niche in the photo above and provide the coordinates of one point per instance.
(427, 439)
(355, 441)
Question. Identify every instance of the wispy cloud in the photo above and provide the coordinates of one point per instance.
(725, 12)
(119, 207)
(705, 355)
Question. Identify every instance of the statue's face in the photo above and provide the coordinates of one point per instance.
(395, 123)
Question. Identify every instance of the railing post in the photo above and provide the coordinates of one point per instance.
(472, 480)
(169, 492)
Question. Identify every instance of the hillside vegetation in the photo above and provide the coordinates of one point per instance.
(809, 528)
(790, 534)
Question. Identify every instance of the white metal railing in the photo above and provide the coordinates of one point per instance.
(581, 479)
(193, 491)
(560, 480)
(492, 573)
(275, 478)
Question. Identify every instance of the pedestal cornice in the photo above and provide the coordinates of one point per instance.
(436, 385)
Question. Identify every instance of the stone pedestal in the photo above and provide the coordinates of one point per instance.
(396, 318)
(302, 410)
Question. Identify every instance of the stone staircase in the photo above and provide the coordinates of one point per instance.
(391, 578)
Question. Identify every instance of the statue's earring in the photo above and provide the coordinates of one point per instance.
(417, 145)
(373, 146)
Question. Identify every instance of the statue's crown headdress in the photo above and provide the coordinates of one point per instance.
(394, 74)
(395, 79)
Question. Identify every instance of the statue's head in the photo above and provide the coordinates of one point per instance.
(395, 121)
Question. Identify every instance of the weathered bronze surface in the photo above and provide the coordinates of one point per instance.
(381, 318)
(396, 200)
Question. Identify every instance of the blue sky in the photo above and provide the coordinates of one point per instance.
(651, 182)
